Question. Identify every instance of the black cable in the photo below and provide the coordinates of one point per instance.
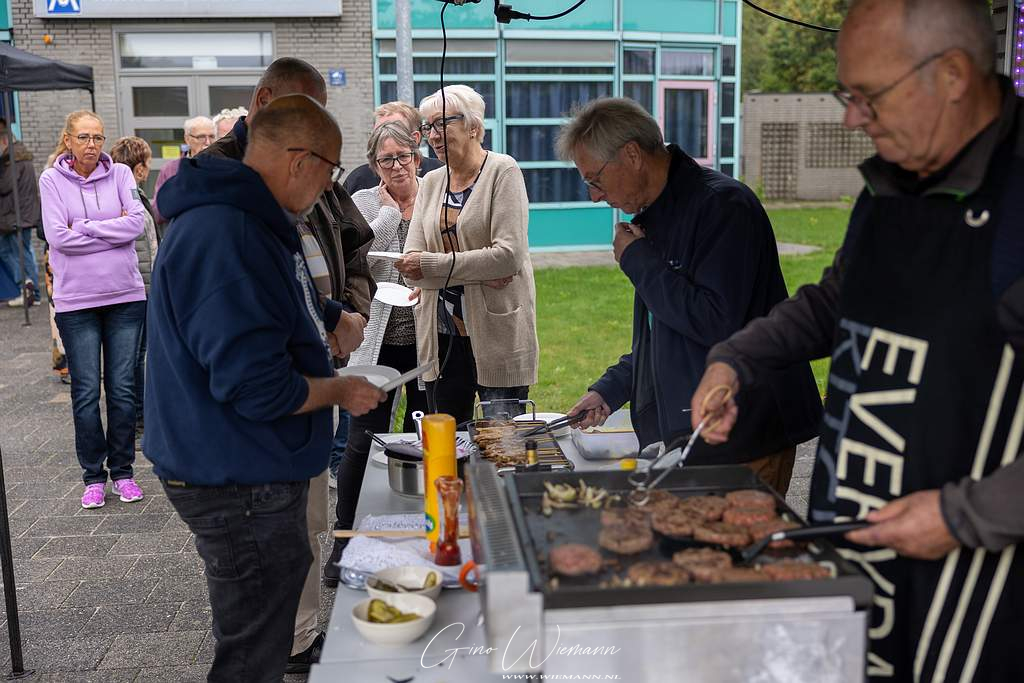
(795, 22)
(556, 16)
(505, 14)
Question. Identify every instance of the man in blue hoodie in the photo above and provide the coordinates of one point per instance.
(237, 409)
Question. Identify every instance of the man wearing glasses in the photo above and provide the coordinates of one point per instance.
(199, 134)
(701, 255)
(922, 313)
(331, 232)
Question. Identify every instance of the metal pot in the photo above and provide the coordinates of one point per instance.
(405, 468)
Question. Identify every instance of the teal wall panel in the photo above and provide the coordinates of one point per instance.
(5, 14)
(427, 14)
(593, 15)
(570, 226)
(665, 16)
(729, 18)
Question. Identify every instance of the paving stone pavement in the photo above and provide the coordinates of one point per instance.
(107, 595)
(114, 594)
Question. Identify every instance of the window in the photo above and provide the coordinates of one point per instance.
(728, 60)
(550, 99)
(728, 140)
(728, 99)
(160, 101)
(686, 120)
(688, 62)
(199, 50)
(555, 185)
(531, 143)
(642, 92)
(432, 65)
(729, 170)
(421, 89)
(638, 61)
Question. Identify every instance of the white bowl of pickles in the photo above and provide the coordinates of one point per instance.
(407, 580)
(396, 619)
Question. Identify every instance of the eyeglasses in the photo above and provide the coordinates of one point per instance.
(389, 162)
(865, 104)
(97, 140)
(337, 170)
(439, 124)
(203, 138)
(592, 182)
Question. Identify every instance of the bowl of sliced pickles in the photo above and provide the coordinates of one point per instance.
(396, 619)
(409, 579)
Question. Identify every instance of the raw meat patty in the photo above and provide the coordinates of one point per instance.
(747, 516)
(574, 559)
(624, 515)
(795, 571)
(751, 498)
(709, 507)
(677, 523)
(702, 563)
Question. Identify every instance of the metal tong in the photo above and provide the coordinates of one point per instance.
(556, 424)
(640, 480)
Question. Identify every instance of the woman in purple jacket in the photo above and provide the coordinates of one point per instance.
(91, 216)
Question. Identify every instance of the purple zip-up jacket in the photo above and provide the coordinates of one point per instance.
(91, 225)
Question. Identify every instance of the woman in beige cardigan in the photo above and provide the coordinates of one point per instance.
(476, 319)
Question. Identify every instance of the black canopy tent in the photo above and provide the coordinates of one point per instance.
(20, 70)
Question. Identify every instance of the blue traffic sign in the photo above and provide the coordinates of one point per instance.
(336, 76)
(64, 6)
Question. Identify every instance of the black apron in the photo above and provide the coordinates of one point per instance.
(924, 390)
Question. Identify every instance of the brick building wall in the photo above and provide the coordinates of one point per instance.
(326, 43)
(794, 147)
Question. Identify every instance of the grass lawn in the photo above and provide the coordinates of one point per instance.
(584, 315)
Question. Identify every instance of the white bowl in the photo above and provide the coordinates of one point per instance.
(409, 575)
(545, 417)
(395, 634)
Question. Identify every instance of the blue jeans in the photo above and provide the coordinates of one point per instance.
(254, 544)
(9, 256)
(340, 441)
(110, 332)
(140, 373)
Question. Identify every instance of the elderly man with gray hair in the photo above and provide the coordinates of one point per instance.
(922, 314)
(701, 255)
(199, 134)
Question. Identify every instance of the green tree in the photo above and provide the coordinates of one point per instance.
(781, 57)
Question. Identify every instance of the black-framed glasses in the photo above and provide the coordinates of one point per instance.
(592, 182)
(97, 140)
(439, 124)
(389, 162)
(337, 170)
(865, 104)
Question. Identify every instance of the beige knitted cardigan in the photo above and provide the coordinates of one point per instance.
(492, 230)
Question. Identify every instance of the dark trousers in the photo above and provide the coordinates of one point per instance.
(353, 463)
(110, 333)
(455, 391)
(10, 245)
(254, 543)
(140, 373)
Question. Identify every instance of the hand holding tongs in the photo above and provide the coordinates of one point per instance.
(640, 480)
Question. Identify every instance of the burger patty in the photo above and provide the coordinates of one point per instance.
(574, 559)
(747, 516)
(708, 507)
(625, 539)
(675, 523)
(722, 533)
(736, 575)
(751, 498)
(795, 571)
(658, 573)
(625, 515)
(662, 500)
(702, 563)
(769, 527)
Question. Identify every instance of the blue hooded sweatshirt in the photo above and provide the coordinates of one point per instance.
(233, 326)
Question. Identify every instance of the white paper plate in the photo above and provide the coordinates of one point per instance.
(377, 375)
(390, 255)
(394, 294)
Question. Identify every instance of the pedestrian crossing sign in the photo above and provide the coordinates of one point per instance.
(64, 6)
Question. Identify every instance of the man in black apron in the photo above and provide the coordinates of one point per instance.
(923, 314)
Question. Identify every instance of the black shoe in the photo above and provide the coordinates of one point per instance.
(300, 663)
(332, 573)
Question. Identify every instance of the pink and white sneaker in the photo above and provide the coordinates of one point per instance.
(94, 496)
(128, 490)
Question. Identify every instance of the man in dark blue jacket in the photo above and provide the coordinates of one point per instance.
(701, 255)
(241, 383)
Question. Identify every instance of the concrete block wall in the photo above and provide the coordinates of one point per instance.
(824, 184)
(326, 43)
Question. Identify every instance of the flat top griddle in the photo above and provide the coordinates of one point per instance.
(538, 534)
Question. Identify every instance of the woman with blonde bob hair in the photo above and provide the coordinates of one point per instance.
(92, 216)
(468, 251)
